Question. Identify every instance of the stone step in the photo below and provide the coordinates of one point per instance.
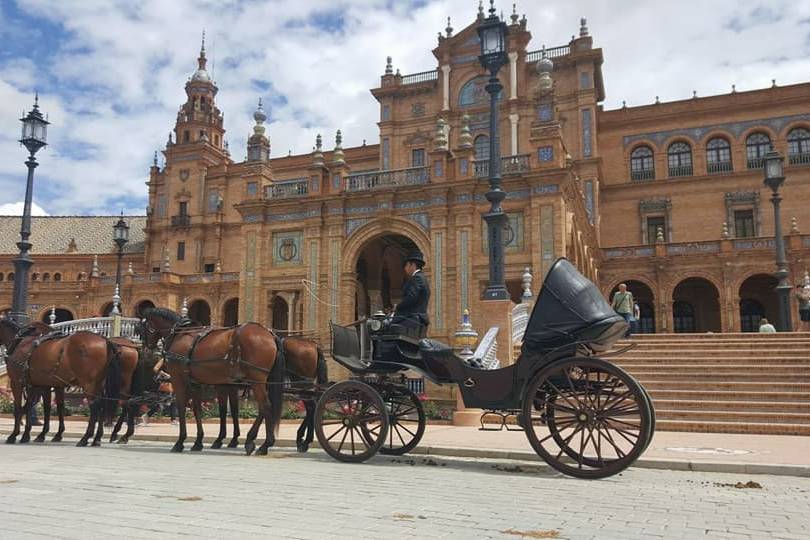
(735, 406)
(720, 335)
(780, 377)
(704, 385)
(753, 397)
(742, 344)
(731, 416)
(727, 350)
(770, 428)
(741, 361)
(768, 371)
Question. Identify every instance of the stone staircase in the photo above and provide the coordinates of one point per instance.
(727, 383)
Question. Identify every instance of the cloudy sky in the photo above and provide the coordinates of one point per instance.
(110, 73)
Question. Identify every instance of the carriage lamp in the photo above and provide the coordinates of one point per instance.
(34, 137)
(492, 33)
(774, 178)
(375, 325)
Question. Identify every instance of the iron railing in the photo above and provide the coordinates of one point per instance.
(181, 221)
(719, 167)
(756, 163)
(424, 76)
(642, 174)
(799, 159)
(554, 52)
(378, 179)
(680, 170)
(516, 164)
(287, 189)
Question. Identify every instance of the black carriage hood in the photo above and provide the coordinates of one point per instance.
(571, 308)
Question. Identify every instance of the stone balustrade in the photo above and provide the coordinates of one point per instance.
(377, 179)
(287, 189)
(510, 165)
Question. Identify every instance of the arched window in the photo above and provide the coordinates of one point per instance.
(482, 147)
(718, 156)
(46, 276)
(10, 276)
(474, 93)
(799, 145)
(35, 276)
(1, 276)
(679, 159)
(57, 277)
(642, 164)
(756, 146)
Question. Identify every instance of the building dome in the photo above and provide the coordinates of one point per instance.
(545, 65)
(201, 75)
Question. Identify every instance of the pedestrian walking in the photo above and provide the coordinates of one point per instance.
(765, 327)
(623, 305)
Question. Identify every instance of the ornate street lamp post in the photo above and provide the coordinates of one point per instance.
(34, 135)
(121, 237)
(492, 32)
(774, 178)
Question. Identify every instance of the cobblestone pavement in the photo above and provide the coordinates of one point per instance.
(143, 491)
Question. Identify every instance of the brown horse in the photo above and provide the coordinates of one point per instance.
(129, 388)
(197, 355)
(10, 337)
(305, 364)
(54, 360)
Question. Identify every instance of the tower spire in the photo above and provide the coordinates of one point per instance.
(202, 59)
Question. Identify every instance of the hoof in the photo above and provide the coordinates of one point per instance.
(302, 447)
(234, 443)
(11, 439)
(40, 438)
(57, 438)
(113, 438)
(249, 447)
(122, 440)
(24, 439)
(216, 444)
(177, 447)
(197, 447)
(82, 442)
(95, 443)
(262, 451)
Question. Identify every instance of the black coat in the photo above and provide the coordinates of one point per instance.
(415, 297)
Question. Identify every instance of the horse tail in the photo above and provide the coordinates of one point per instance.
(276, 384)
(137, 387)
(322, 373)
(112, 382)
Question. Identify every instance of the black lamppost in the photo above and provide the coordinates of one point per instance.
(34, 135)
(774, 178)
(492, 32)
(121, 237)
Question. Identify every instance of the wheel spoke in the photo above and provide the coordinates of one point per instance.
(343, 440)
(395, 428)
(332, 436)
(609, 438)
(351, 431)
(406, 429)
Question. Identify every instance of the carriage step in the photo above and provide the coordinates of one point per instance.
(735, 406)
(769, 428)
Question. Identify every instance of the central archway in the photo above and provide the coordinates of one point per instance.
(696, 306)
(379, 274)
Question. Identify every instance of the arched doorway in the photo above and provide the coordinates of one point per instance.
(142, 306)
(645, 299)
(200, 312)
(230, 312)
(62, 315)
(379, 273)
(757, 300)
(696, 306)
(280, 314)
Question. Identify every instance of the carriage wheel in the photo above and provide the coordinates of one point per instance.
(588, 418)
(652, 417)
(406, 422)
(351, 421)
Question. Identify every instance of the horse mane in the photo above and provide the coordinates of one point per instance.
(35, 328)
(164, 313)
(8, 321)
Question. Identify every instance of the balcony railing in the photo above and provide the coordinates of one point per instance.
(181, 221)
(642, 174)
(799, 159)
(719, 167)
(554, 52)
(287, 189)
(377, 179)
(756, 163)
(413, 78)
(681, 170)
(509, 165)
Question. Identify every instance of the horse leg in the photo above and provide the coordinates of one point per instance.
(182, 401)
(309, 422)
(16, 390)
(263, 404)
(33, 397)
(101, 417)
(253, 432)
(131, 411)
(91, 424)
(196, 402)
(119, 423)
(301, 433)
(233, 398)
(46, 412)
(223, 416)
(59, 396)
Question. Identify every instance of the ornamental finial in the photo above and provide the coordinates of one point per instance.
(794, 225)
(527, 285)
(583, 27)
(725, 233)
(184, 307)
(389, 68)
(449, 29)
(52, 316)
(514, 17)
(480, 9)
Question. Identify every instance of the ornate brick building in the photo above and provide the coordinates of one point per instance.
(666, 197)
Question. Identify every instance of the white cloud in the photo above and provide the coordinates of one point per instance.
(116, 79)
(16, 209)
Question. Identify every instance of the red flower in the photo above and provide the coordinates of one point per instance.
(422, 397)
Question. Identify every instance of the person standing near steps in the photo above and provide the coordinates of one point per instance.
(623, 305)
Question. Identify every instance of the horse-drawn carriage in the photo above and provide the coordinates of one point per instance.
(584, 416)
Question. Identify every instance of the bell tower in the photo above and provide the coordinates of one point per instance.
(199, 119)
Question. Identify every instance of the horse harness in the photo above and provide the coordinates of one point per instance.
(25, 361)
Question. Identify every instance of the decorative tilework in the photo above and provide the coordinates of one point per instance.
(334, 270)
(545, 153)
(420, 203)
(335, 211)
(464, 263)
(438, 285)
(546, 188)
(312, 319)
(463, 166)
(353, 224)
(584, 80)
(734, 128)
(545, 112)
(546, 238)
(438, 168)
(589, 202)
(423, 220)
(386, 153)
(465, 59)
(250, 276)
(769, 243)
(418, 109)
(252, 218)
(513, 238)
(619, 253)
(586, 133)
(315, 184)
(287, 248)
(438, 200)
(336, 181)
(464, 198)
(361, 209)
